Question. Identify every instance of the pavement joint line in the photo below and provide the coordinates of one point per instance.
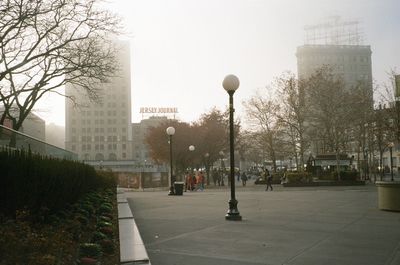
(393, 256)
(221, 257)
(330, 235)
(183, 235)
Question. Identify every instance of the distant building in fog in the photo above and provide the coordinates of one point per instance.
(139, 133)
(351, 62)
(336, 43)
(102, 131)
(33, 125)
(55, 135)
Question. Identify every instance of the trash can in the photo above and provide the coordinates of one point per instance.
(178, 186)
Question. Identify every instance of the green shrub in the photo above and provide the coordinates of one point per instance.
(107, 231)
(105, 218)
(32, 181)
(104, 224)
(82, 219)
(346, 175)
(104, 209)
(298, 177)
(107, 246)
(97, 236)
(91, 250)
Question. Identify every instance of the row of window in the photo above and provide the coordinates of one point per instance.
(89, 122)
(338, 58)
(97, 147)
(99, 138)
(97, 130)
(99, 156)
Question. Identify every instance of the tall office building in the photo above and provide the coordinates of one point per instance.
(351, 62)
(102, 131)
(140, 131)
(337, 44)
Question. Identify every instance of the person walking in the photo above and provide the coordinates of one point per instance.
(268, 179)
(244, 178)
(200, 181)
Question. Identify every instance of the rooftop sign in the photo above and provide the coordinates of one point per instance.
(155, 110)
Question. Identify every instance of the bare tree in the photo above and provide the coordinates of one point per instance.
(261, 113)
(293, 115)
(45, 44)
(330, 112)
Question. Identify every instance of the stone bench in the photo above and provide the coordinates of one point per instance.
(132, 248)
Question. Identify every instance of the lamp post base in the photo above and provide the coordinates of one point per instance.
(233, 212)
(171, 191)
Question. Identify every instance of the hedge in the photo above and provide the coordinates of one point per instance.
(298, 177)
(34, 182)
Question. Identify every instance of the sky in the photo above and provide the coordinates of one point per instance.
(181, 50)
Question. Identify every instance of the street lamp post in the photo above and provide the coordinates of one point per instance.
(391, 144)
(171, 131)
(191, 149)
(206, 156)
(221, 153)
(230, 84)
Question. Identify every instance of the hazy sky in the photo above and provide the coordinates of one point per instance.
(182, 49)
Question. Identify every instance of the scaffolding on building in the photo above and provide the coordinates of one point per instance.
(334, 31)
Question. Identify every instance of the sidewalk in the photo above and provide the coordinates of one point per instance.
(327, 225)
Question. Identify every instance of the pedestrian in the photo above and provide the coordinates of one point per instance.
(200, 181)
(244, 178)
(268, 179)
(189, 181)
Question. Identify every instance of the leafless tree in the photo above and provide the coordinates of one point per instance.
(292, 115)
(261, 112)
(45, 44)
(330, 106)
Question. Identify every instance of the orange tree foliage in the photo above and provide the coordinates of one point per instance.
(208, 135)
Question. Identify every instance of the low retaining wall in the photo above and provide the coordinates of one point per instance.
(325, 183)
(388, 195)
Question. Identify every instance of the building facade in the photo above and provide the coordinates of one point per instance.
(102, 130)
(350, 62)
(139, 132)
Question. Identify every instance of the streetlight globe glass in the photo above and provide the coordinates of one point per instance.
(230, 83)
(170, 130)
(191, 148)
(391, 144)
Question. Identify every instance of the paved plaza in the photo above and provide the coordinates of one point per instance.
(325, 225)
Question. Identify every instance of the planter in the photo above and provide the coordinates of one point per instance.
(326, 183)
(388, 195)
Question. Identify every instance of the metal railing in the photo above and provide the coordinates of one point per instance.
(17, 140)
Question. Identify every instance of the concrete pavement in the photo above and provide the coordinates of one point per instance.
(325, 225)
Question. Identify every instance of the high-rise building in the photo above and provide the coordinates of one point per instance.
(140, 130)
(102, 130)
(351, 62)
(336, 43)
